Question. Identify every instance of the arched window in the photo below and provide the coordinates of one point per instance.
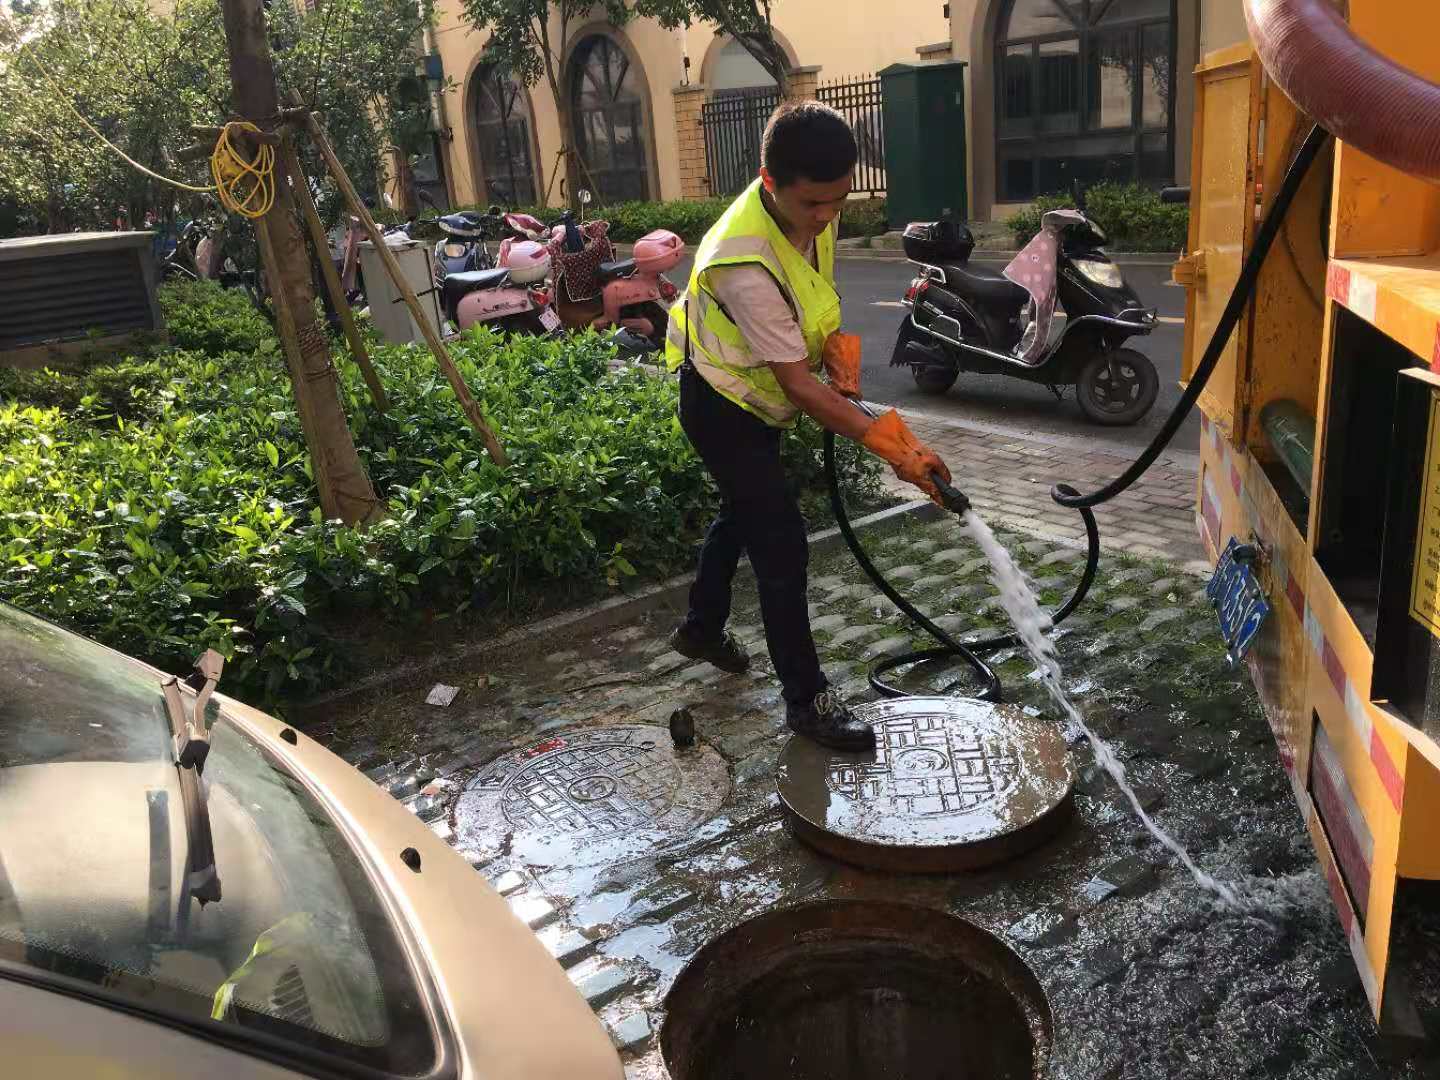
(1085, 92)
(734, 69)
(609, 115)
(502, 139)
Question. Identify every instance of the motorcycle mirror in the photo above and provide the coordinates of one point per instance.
(585, 197)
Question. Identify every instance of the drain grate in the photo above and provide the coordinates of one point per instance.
(584, 789)
(854, 990)
(952, 784)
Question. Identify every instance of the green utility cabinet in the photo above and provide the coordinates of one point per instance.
(924, 142)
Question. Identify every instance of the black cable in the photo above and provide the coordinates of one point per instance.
(1239, 297)
(948, 647)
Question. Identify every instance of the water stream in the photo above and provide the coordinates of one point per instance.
(1033, 625)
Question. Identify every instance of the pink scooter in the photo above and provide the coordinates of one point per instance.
(512, 298)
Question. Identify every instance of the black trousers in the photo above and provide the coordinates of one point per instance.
(760, 517)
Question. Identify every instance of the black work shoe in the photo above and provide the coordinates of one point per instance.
(829, 721)
(724, 652)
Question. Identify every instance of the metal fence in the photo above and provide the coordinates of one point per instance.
(734, 122)
(859, 101)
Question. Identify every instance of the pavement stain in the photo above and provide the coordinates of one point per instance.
(1145, 980)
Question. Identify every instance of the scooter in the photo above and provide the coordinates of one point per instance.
(512, 298)
(964, 317)
(462, 246)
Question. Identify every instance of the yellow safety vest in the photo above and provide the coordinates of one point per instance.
(701, 330)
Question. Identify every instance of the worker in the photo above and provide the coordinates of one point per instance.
(759, 320)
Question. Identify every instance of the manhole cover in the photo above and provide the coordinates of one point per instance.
(584, 791)
(854, 990)
(952, 784)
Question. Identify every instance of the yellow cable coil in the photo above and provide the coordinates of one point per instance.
(245, 187)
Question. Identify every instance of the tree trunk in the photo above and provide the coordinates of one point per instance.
(344, 487)
(571, 160)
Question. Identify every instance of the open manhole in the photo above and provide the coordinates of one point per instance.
(590, 795)
(853, 990)
(952, 784)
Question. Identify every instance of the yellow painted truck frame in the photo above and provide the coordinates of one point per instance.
(1345, 324)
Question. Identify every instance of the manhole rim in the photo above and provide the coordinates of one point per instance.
(1006, 966)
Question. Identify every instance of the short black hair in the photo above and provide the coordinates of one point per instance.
(805, 140)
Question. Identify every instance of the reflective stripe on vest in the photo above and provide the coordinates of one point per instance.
(701, 329)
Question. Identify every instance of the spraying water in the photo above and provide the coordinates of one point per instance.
(1033, 624)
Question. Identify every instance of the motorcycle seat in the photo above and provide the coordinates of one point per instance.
(609, 271)
(458, 285)
(988, 286)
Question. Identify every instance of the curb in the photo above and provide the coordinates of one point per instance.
(600, 615)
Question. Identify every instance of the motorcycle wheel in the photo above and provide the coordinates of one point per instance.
(1117, 388)
(933, 380)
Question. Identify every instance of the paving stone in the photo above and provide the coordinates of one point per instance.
(922, 547)
(1128, 876)
(1201, 762)
(1103, 965)
(632, 1031)
(933, 581)
(602, 984)
(828, 624)
(566, 944)
(427, 807)
(855, 633)
(908, 572)
(953, 555)
(889, 646)
(829, 582)
(659, 906)
(1062, 556)
(509, 882)
(975, 566)
(1042, 929)
(1123, 603)
(533, 911)
(402, 787)
(1036, 547)
(1160, 618)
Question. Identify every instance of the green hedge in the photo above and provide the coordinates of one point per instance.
(1133, 217)
(164, 504)
(691, 219)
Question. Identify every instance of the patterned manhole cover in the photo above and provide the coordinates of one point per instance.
(952, 784)
(584, 791)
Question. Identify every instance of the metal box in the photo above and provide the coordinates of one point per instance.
(925, 142)
(75, 292)
(388, 310)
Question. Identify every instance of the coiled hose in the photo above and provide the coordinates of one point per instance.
(972, 652)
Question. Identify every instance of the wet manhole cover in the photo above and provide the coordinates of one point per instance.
(586, 791)
(952, 784)
(854, 990)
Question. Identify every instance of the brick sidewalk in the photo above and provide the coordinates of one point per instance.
(1008, 477)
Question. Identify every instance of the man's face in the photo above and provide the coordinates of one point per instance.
(808, 206)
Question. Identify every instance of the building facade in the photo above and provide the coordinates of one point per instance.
(1057, 90)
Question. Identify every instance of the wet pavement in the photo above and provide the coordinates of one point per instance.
(554, 773)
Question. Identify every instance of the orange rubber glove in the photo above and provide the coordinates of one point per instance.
(841, 356)
(889, 439)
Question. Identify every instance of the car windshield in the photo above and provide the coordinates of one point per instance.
(93, 848)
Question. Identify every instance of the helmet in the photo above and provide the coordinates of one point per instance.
(658, 251)
(527, 261)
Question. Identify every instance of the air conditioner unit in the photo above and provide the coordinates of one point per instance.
(75, 292)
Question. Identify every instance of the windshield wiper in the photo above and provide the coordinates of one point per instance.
(192, 748)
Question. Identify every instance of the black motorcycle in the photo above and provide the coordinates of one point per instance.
(964, 317)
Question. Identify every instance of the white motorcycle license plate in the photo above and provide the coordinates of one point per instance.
(549, 320)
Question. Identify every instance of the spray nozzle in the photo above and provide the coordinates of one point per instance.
(951, 497)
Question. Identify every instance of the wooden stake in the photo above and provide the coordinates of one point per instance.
(392, 267)
(300, 187)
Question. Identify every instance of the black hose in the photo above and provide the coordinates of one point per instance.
(1064, 494)
(948, 646)
(1239, 297)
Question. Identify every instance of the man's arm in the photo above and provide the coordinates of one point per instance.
(819, 402)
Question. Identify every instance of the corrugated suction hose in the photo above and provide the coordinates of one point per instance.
(1351, 90)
